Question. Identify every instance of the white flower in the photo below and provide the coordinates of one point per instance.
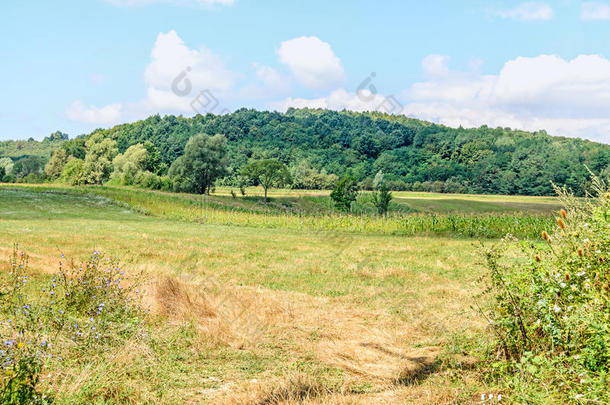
(556, 308)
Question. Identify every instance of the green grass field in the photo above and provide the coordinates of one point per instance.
(272, 301)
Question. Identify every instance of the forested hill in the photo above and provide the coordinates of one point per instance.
(412, 154)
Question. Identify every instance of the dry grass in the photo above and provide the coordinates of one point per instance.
(293, 388)
(177, 299)
(312, 317)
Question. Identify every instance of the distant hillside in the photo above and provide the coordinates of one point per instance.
(31, 147)
(39, 151)
(413, 154)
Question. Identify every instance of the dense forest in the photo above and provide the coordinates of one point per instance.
(320, 146)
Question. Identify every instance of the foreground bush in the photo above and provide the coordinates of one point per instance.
(77, 315)
(551, 314)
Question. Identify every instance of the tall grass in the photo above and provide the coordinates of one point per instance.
(550, 314)
(204, 210)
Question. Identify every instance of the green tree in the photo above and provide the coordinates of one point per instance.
(7, 164)
(204, 160)
(306, 177)
(30, 165)
(268, 173)
(73, 172)
(75, 147)
(129, 164)
(345, 193)
(98, 160)
(56, 164)
(154, 162)
(381, 194)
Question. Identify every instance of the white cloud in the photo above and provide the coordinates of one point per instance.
(339, 99)
(435, 65)
(593, 10)
(565, 97)
(527, 11)
(177, 74)
(137, 3)
(270, 83)
(109, 114)
(174, 78)
(312, 62)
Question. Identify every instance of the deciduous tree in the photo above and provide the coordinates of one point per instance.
(268, 173)
(98, 160)
(204, 160)
(345, 193)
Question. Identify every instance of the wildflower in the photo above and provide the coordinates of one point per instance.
(561, 224)
(556, 308)
(563, 213)
(537, 257)
(580, 252)
(567, 276)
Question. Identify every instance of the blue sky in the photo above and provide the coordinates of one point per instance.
(78, 65)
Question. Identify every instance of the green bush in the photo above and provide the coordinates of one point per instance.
(22, 351)
(551, 313)
(146, 179)
(77, 314)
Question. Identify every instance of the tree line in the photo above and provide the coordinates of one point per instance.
(318, 148)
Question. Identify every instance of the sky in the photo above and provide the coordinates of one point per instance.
(77, 65)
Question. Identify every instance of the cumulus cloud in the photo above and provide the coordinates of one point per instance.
(312, 62)
(435, 65)
(269, 83)
(137, 3)
(566, 97)
(109, 114)
(592, 10)
(527, 11)
(340, 99)
(174, 78)
(177, 73)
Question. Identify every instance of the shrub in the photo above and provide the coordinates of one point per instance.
(82, 311)
(551, 314)
(344, 194)
(21, 355)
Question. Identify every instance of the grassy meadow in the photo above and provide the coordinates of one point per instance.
(253, 303)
